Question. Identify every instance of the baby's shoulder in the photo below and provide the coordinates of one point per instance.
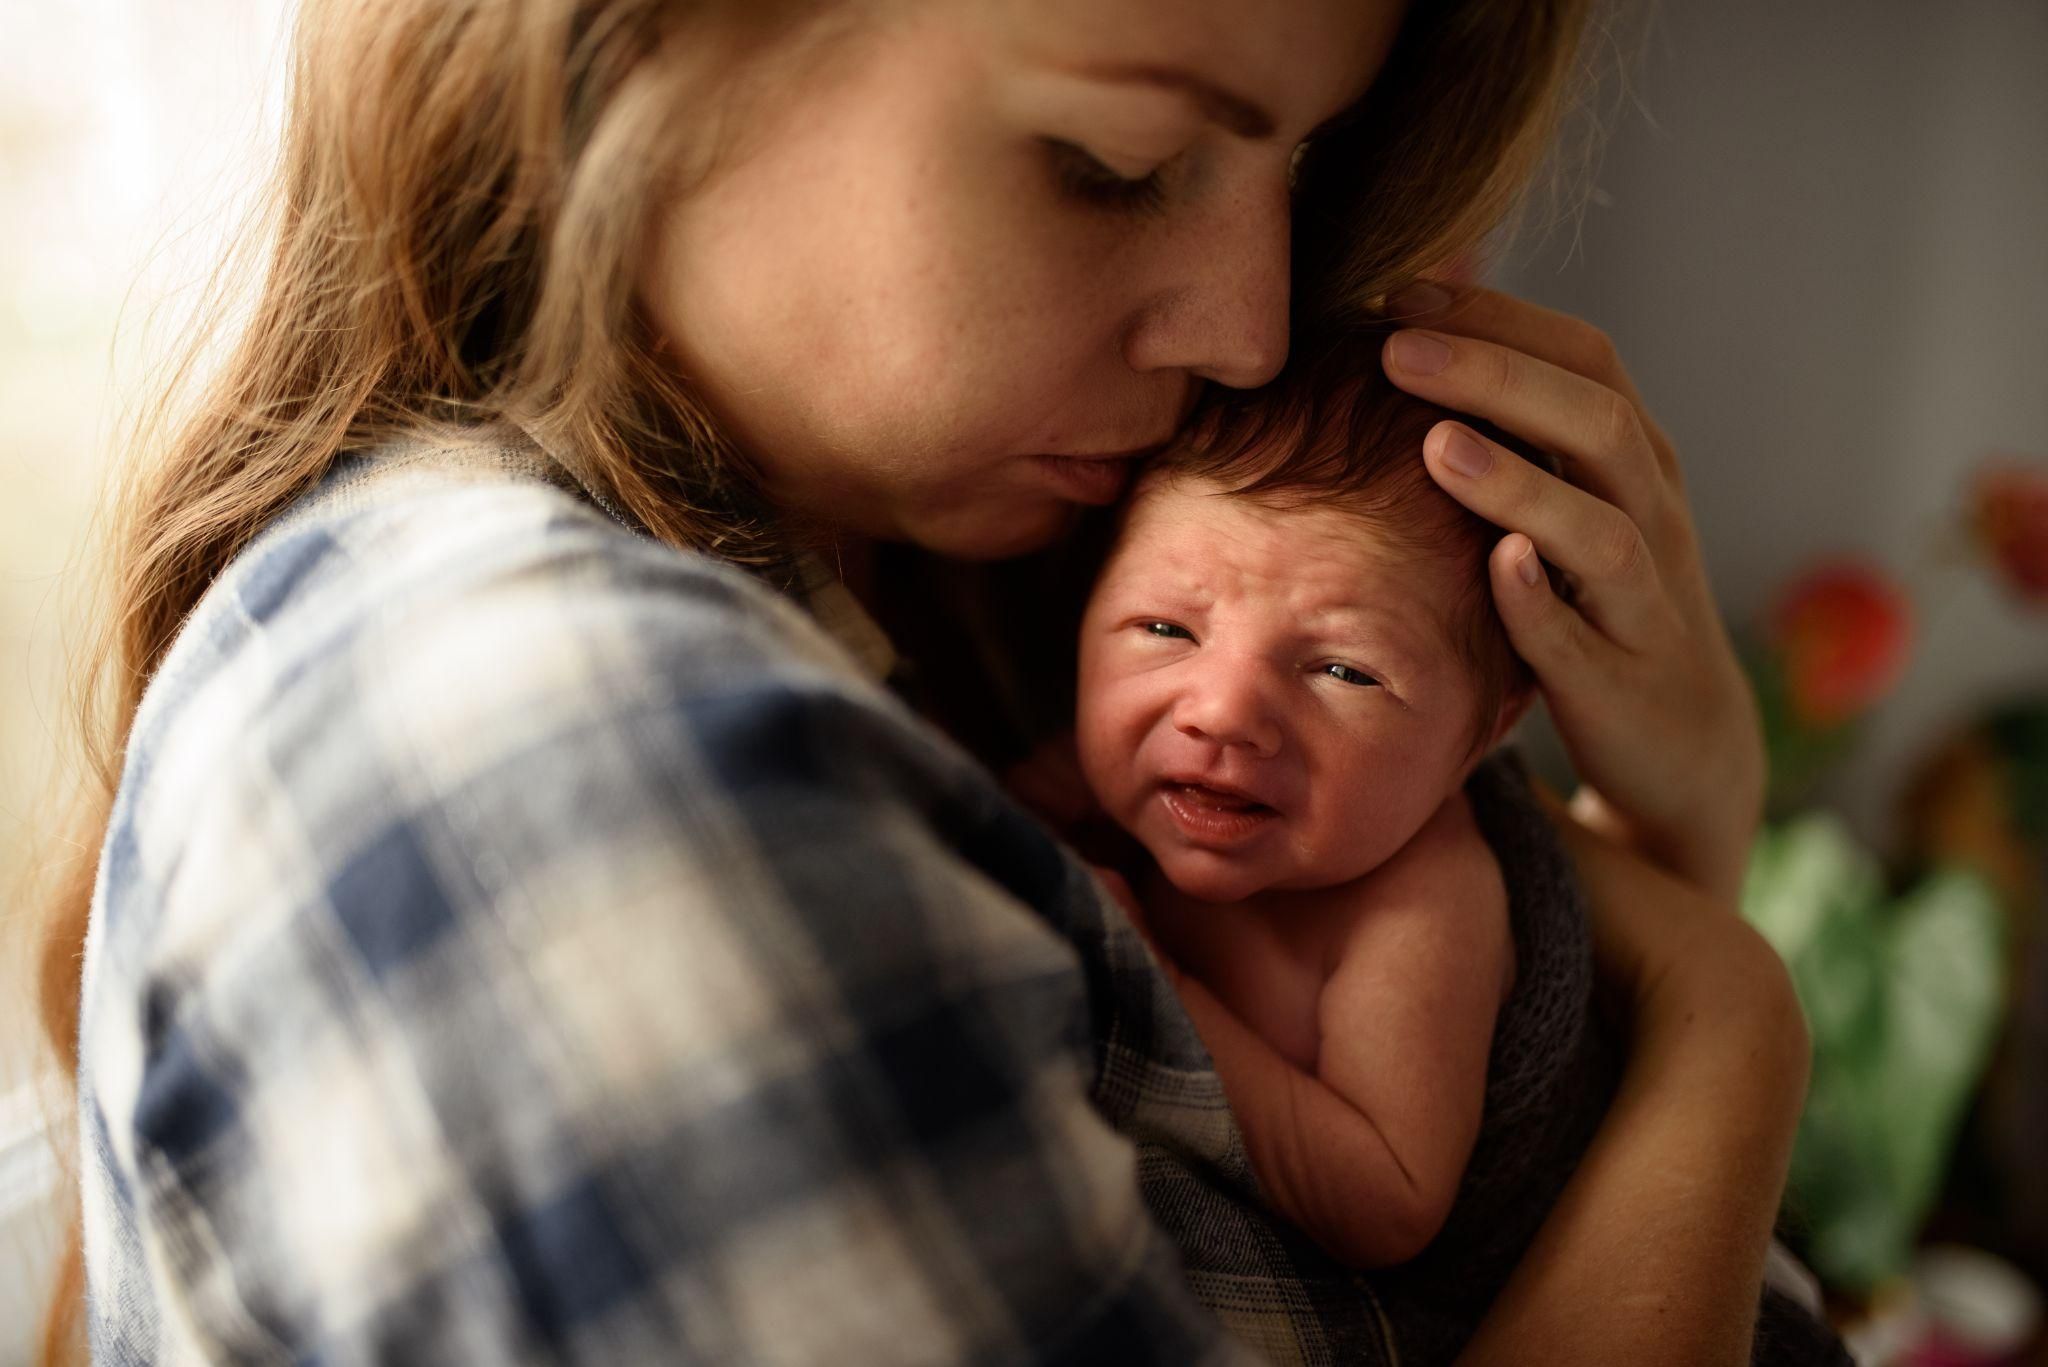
(1449, 856)
(1440, 896)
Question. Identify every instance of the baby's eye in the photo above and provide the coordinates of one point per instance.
(1167, 631)
(1356, 677)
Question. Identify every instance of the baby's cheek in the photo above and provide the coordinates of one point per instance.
(1091, 741)
(1093, 695)
(1358, 826)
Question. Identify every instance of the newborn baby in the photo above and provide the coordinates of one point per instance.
(1290, 678)
(1289, 667)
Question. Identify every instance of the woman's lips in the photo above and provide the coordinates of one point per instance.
(1095, 480)
(1210, 816)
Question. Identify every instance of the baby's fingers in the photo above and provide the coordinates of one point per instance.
(1614, 577)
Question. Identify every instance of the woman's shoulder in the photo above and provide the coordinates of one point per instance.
(410, 647)
(464, 592)
(399, 543)
(480, 851)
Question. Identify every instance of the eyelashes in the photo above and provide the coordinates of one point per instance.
(1342, 673)
(1357, 678)
(1083, 177)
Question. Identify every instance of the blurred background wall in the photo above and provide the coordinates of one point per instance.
(1819, 235)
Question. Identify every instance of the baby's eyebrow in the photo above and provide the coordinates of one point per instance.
(1386, 633)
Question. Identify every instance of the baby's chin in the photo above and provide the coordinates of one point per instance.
(1210, 877)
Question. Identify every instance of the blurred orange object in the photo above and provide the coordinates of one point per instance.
(2009, 513)
(1841, 632)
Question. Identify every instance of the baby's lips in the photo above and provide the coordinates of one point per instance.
(1237, 792)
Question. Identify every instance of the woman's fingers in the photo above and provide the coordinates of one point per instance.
(1634, 662)
(1489, 316)
(1614, 578)
(1557, 339)
(1544, 629)
(1596, 430)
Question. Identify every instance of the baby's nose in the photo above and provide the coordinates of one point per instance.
(1226, 708)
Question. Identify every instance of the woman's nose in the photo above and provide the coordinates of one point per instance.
(1226, 710)
(1222, 314)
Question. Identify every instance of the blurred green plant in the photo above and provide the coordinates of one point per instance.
(1903, 996)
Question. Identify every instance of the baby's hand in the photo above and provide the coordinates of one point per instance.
(1050, 783)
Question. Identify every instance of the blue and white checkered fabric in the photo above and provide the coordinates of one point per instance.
(517, 941)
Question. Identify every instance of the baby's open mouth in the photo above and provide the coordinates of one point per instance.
(1212, 816)
(1214, 799)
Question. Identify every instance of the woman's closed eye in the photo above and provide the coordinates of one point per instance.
(1086, 177)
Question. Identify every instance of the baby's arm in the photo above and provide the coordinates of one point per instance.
(1366, 1155)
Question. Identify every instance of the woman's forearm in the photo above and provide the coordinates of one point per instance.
(1655, 1251)
(1712, 858)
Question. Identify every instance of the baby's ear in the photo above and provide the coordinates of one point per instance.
(1513, 708)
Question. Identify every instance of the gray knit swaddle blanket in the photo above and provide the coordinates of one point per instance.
(1552, 1071)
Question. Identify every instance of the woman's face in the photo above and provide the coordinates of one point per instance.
(952, 286)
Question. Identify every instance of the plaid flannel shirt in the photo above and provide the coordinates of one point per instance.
(519, 941)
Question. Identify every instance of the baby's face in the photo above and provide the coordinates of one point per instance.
(1269, 698)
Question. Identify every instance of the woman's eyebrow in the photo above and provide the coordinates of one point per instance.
(1222, 106)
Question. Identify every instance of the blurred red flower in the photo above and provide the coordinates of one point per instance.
(1840, 632)
(2009, 514)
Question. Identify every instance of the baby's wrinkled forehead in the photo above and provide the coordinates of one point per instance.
(1321, 554)
(1407, 537)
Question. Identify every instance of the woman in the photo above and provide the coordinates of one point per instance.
(516, 937)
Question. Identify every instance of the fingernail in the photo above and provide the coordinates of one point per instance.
(1418, 353)
(1463, 452)
(1528, 567)
(1419, 298)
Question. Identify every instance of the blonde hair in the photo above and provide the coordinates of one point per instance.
(463, 197)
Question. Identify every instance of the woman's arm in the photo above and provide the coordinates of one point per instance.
(1665, 1225)
(1637, 669)
(1655, 1251)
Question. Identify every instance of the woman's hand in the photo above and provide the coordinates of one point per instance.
(1667, 1219)
(1637, 669)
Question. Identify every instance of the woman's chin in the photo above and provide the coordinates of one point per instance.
(994, 531)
